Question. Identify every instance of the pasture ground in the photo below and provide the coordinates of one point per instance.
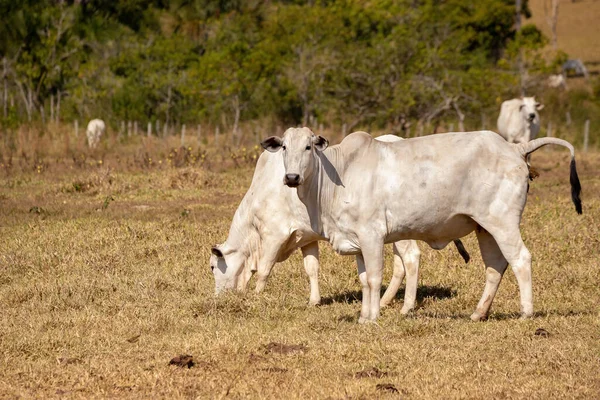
(104, 278)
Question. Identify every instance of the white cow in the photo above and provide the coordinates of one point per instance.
(519, 121)
(271, 223)
(94, 131)
(557, 81)
(364, 193)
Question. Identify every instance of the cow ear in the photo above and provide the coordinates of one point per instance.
(539, 106)
(216, 251)
(272, 144)
(320, 142)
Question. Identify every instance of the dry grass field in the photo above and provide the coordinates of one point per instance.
(578, 33)
(104, 278)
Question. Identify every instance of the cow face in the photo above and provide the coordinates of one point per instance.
(299, 146)
(226, 266)
(529, 108)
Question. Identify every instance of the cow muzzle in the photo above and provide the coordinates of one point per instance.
(292, 180)
(531, 117)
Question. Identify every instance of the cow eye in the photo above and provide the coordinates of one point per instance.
(212, 268)
(307, 147)
(283, 147)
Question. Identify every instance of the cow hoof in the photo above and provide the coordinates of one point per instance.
(362, 320)
(405, 310)
(314, 303)
(526, 316)
(383, 304)
(476, 317)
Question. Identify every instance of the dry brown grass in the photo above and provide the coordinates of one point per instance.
(104, 279)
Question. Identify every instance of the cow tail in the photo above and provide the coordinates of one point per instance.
(530, 147)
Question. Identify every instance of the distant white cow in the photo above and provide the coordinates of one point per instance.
(557, 81)
(519, 121)
(95, 130)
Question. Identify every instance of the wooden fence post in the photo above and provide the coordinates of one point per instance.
(183, 135)
(199, 133)
(216, 135)
(549, 130)
(149, 132)
(586, 135)
(76, 123)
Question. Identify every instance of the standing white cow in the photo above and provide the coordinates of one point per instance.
(271, 223)
(519, 121)
(363, 193)
(94, 131)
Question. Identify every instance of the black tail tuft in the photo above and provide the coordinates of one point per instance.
(575, 187)
(462, 251)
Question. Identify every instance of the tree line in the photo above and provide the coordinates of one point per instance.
(225, 62)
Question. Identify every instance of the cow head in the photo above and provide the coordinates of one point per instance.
(226, 265)
(529, 108)
(299, 146)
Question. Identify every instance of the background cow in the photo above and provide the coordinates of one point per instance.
(519, 121)
(94, 131)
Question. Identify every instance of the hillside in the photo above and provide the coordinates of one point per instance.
(578, 29)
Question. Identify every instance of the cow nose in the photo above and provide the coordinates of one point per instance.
(292, 179)
(531, 116)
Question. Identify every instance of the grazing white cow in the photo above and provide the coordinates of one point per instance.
(519, 121)
(271, 223)
(94, 131)
(557, 81)
(364, 193)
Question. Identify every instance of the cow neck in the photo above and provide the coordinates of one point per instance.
(318, 192)
(241, 228)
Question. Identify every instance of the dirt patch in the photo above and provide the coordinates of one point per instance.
(182, 361)
(255, 358)
(69, 360)
(387, 387)
(541, 332)
(281, 348)
(370, 373)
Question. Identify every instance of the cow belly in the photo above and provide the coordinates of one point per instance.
(437, 234)
(344, 245)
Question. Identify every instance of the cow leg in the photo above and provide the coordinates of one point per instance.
(398, 274)
(244, 278)
(265, 265)
(519, 258)
(310, 252)
(373, 262)
(495, 264)
(406, 260)
(366, 291)
(514, 251)
(411, 258)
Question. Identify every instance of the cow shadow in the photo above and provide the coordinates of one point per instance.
(434, 292)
